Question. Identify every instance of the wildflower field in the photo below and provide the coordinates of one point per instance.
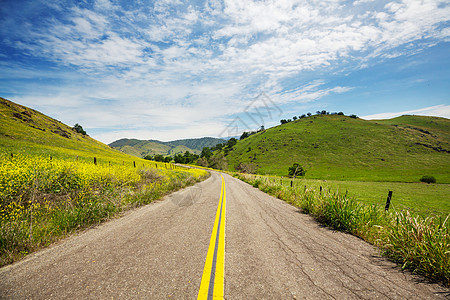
(420, 244)
(44, 198)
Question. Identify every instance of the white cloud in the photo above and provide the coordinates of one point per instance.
(358, 2)
(176, 63)
(442, 110)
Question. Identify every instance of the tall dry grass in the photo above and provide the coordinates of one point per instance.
(419, 244)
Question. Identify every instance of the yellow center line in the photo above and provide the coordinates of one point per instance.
(212, 284)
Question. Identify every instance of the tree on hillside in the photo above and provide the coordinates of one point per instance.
(78, 128)
(218, 161)
(206, 152)
(244, 135)
(179, 158)
(158, 157)
(217, 147)
(231, 142)
(203, 161)
(296, 170)
(189, 157)
(309, 114)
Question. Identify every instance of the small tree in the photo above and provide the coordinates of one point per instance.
(158, 157)
(217, 147)
(231, 142)
(148, 157)
(179, 159)
(78, 128)
(202, 161)
(244, 135)
(206, 152)
(296, 170)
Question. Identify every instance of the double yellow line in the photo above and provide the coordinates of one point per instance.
(212, 284)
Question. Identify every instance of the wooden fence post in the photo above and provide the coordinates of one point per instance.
(388, 201)
(134, 164)
(95, 160)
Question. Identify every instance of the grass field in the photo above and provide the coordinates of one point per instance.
(420, 198)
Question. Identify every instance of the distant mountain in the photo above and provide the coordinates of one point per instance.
(142, 148)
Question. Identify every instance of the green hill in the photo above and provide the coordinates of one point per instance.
(55, 180)
(25, 130)
(344, 148)
(141, 148)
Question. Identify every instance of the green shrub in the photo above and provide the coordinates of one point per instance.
(78, 128)
(428, 179)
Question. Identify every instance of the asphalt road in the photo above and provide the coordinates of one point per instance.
(272, 251)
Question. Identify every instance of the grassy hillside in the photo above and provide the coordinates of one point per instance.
(141, 148)
(197, 144)
(24, 130)
(343, 148)
(438, 127)
(54, 181)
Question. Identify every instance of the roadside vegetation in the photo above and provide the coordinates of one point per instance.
(420, 244)
(55, 180)
(43, 199)
(419, 198)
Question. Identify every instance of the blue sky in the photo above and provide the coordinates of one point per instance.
(171, 69)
